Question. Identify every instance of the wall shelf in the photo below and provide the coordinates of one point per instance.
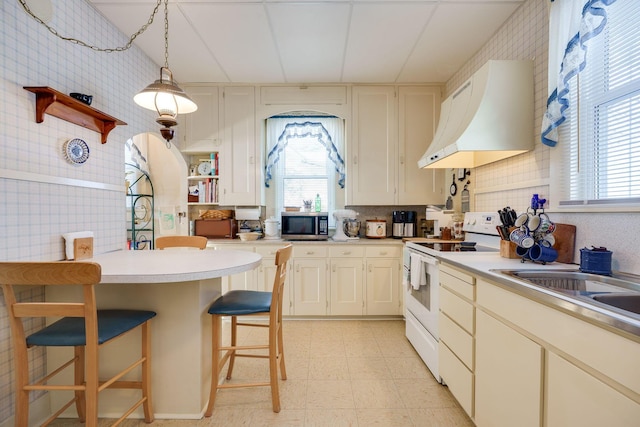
(64, 107)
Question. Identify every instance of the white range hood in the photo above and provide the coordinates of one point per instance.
(488, 118)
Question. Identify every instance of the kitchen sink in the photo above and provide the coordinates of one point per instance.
(624, 301)
(618, 291)
(574, 281)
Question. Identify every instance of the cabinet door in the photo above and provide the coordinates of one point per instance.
(238, 172)
(310, 286)
(508, 372)
(576, 398)
(372, 155)
(418, 113)
(247, 280)
(201, 126)
(382, 287)
(346, 287)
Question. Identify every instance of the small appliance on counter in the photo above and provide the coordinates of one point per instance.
(376, 229)
(437, 218)
(305, 225)
(271, 229)
(404, 224)
(347, 225)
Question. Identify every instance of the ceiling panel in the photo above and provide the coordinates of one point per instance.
(313, 41)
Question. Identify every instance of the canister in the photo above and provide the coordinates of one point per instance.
(595, 260)
(376, 229)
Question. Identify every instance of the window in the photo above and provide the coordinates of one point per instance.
(304, 160)
(598, 159)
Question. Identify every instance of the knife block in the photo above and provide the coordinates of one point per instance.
(508, 249)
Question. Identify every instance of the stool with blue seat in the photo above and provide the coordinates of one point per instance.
(81, 326)
(250, 303)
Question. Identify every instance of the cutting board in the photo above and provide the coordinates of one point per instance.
(565, 235)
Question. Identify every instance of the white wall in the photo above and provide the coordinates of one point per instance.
(511, 182)
(34, 213)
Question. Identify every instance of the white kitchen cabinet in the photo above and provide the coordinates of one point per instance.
(457, 331)
(202, 126)
(418, 113)
(239, 172)
(391, 129)
(372, 152)
(346, 292)
(382, 292)
(576, 398)
(310, 280)
(509, 373)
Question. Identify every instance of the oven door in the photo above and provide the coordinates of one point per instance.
(421, 297)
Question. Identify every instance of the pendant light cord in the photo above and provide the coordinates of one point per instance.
(116, 49)
(166, 31)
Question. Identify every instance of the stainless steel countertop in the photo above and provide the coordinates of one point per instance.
(622, 322)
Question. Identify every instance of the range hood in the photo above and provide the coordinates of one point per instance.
(488, 118)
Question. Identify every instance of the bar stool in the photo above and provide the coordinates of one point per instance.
(250, 303)
(199, 242)
(82, 327)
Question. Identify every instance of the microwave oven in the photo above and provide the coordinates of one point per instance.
(305, 225)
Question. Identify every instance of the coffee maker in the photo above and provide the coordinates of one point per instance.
(397, 230)
(410, 223)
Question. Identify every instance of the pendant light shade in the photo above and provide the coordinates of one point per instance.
(164, 96)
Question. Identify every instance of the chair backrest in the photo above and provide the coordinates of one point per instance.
(199, 242)
(86, 274)
(282, 258)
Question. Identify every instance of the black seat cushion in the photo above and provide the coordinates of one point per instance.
(237, 303)
(69, 331)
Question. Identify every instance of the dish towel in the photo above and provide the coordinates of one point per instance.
(69, 238)
(418, 277)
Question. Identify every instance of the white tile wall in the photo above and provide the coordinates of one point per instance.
(511, 182)
(34, 215)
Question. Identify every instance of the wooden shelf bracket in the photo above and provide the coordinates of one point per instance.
(64, 107)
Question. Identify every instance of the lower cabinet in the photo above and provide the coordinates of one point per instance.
(328, 279)
(382, 290)
(575, 397)
(508, 376)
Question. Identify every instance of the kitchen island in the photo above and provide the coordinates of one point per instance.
(178, 284)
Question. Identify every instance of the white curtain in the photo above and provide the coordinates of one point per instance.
(327, 130)
(572, 23)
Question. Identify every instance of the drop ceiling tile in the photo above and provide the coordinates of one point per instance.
(311, 39)
(381, 38)
(239, 37)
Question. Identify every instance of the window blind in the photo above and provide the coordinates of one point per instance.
(600, 140)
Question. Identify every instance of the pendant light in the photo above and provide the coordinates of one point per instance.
(164, 96)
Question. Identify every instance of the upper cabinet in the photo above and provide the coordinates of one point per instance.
(389, 135)
(372, 150)
(239, 171)
(418, 111)
(202, 126)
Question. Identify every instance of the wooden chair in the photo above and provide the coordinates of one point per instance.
(82, 327)
(199, 242)
(247, 303)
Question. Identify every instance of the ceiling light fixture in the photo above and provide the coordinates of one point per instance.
(164, 96)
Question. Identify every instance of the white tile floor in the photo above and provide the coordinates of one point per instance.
(340, 373)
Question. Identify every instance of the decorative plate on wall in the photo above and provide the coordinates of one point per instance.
(76, 151)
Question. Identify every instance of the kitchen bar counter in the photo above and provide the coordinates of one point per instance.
(178, 284)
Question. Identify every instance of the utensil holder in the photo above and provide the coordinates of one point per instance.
(508, 249)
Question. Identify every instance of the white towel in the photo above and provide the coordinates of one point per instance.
(418, 277)
(69, 238)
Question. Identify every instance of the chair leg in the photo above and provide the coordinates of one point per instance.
(273, 368)
(234, 342)
(216, 343)
(146, 373)
(21, 416)
(283, 370)
(78, 372)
